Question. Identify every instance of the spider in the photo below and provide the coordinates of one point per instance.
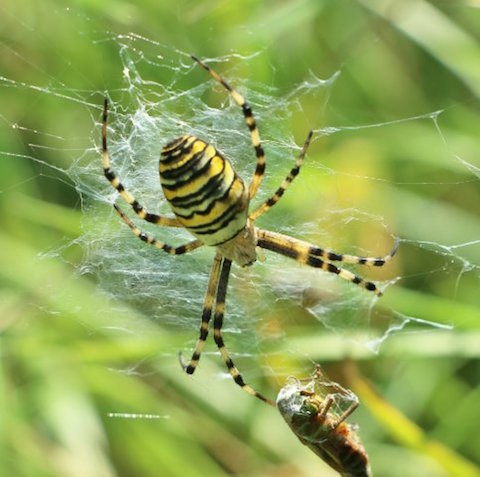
(211, 201)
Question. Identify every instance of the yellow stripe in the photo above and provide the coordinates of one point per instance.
(218, 209)
(216, 165)
(174, 146)
(197, 220)
(127, 196)
(197, 147)
(237, 97)
(255, 137)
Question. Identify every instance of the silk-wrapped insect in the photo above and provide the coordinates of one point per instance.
(316, 411)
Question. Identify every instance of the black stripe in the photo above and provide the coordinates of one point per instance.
(315, 262)
(370, 286)
(260, 168)
(195, 173)
(223, 225)
(279, 192)
(209, 208)
(227, 217)
(239, 380)
(105, 108)
(234, 234)
(206, 314)
(333, 256)
(218, 339)
(109, 174)
(294, 172)
(189, 165)
(259, 151)
(200, 195)
(203, 334)
(378, 263)
(332, 268)
(288, 252)
(202, 171)
(181, 140)
(153, 218)
(175, 154)
(247, 110)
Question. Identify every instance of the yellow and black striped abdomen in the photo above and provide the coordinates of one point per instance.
(205, 193)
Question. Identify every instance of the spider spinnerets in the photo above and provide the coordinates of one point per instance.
(211, 201)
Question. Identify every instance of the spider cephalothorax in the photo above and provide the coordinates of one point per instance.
(211, 201)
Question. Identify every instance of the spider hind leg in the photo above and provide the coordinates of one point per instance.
(317, 257)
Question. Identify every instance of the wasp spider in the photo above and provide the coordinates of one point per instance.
(211, 201)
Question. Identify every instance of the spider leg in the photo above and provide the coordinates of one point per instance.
(116, 184)
(249, 121)
(157, 243)
(206, 316)
(269, 203)
(316, 257)
(217, 334)
(305, 248)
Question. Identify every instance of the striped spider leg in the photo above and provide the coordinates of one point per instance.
(218, 284)
(116, 184)
(210, 200)
(317, 257)
(251, 124)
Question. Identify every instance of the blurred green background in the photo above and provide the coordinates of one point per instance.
(80, 398)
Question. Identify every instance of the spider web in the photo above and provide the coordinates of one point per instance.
(152, 101)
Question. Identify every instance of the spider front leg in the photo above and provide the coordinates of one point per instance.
(270, 202)
(116, 184)
(249, 121)
(217, 334)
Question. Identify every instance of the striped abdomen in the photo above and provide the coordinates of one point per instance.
(342, 449)
(205, 193)
(338, 446)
